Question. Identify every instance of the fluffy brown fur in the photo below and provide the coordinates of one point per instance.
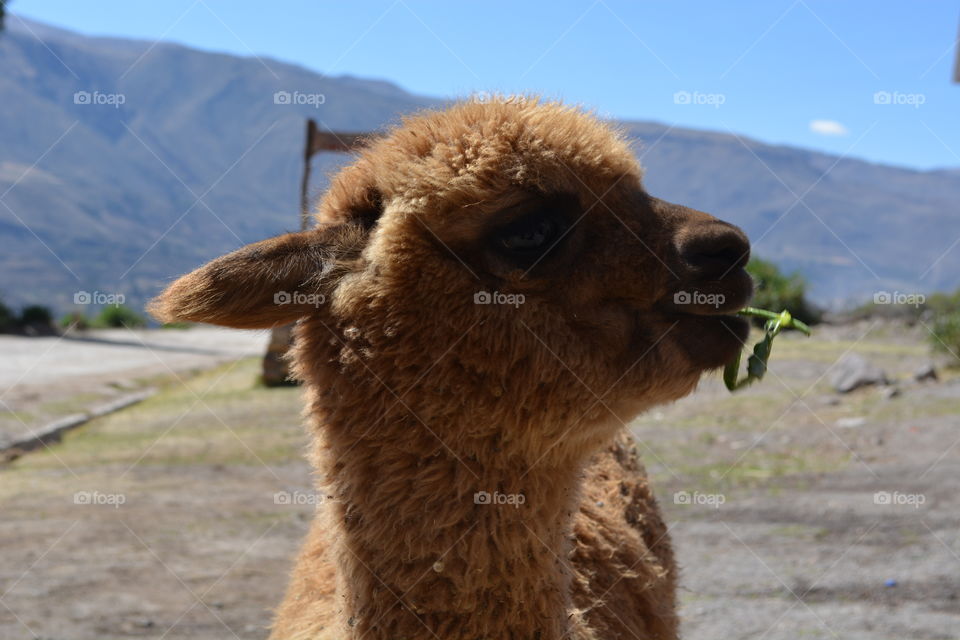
(419, 398)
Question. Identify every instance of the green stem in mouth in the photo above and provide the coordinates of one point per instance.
(757, 362)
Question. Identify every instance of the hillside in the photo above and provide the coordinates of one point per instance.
(199, 158)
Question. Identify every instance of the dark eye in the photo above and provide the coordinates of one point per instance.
(533, 234)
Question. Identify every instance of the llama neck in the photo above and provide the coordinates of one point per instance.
(447, 540)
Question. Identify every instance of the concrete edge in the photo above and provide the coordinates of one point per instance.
(53, 431)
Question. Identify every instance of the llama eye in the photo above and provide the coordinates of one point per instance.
(530, 235)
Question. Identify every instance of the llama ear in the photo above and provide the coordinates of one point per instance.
(264, 284)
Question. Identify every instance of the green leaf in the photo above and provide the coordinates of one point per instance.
(757, 362)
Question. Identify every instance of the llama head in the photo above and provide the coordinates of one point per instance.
(500, 261)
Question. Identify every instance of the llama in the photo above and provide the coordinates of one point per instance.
(488, 297)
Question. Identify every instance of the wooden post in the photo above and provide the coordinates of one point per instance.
(305, 180)
(276, 370)
(956, 61)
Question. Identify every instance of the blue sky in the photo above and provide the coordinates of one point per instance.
(798, 72)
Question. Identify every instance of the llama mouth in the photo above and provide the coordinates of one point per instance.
(701, 304)
(705, 312)
(738, 325)
(711, 340)
(722, 298)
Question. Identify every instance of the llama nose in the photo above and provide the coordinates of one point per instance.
(715, 248)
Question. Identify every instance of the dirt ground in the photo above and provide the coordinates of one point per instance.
(795, 512)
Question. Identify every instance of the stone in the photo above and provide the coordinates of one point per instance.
(926, 372)
(854, 371)
(850, 423)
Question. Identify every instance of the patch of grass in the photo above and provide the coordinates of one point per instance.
(117, 316)
(75, 320)
(738, 412)
(945, 334)
(903, 412)
(178, 326)
(71, 404)
(740, 470)
(758, 466)
(799, 531)
(17, 416)
(216, 417)
(830, 350)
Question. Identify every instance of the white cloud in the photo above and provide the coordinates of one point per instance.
(828, 128)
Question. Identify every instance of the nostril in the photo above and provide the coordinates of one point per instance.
(717, 247)
(725, 255)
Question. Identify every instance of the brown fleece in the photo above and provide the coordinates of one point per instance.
(423, 398)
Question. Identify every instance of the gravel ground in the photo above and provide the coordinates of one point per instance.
(831, 516)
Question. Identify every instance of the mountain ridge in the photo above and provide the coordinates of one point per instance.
(198, 158)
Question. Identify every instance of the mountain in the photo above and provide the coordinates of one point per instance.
(853, 228)
(124, 163)
(153, 159)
